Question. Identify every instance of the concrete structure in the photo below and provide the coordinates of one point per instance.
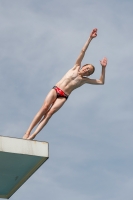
(19, 159)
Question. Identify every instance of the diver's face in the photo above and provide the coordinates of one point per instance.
(87, 70)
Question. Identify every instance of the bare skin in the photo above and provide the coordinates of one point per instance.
(74, 78)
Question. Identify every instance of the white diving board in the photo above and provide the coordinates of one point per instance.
(19, 159)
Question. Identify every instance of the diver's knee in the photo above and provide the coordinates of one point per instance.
(50, 113)
(45, 108)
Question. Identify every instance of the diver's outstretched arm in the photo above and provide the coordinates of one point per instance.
(83, 50)
(101, 80)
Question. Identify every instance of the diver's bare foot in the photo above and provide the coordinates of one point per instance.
(25, 136)
(31, 137)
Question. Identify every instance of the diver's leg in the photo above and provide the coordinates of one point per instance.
(55, 107)
(51, 97)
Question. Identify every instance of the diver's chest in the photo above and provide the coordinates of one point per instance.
(74, 75)
(76, 79)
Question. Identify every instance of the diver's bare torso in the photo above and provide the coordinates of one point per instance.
(71, 80)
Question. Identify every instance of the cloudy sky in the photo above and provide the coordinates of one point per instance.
(90, 138)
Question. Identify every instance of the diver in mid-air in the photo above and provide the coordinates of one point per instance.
(74, 78)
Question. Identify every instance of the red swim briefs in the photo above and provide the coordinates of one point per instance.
(60, 93)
